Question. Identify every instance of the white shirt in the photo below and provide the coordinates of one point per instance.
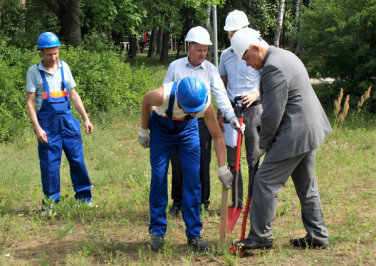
(241, 78)
(176, 111)
(209, 75)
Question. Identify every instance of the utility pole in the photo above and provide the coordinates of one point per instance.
(215, 35)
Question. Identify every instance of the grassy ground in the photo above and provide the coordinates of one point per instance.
(116, 232)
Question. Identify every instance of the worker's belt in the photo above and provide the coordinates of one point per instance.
(255, 103)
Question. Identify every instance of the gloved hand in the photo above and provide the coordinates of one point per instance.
(225, 176)
(144, 137)
(257, 153)
(234, 122)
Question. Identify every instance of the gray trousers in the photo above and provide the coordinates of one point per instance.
(270, 179)
(251, 138)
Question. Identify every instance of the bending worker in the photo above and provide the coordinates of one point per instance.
(293, 125)
(50, 87)
(174, 110)
(196, 65)
(241, 80)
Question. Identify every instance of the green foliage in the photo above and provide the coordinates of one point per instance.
(338, 40)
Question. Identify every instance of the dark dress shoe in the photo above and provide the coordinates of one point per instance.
(198, 243)
(250, 244)
(307, 242)
(175, 210)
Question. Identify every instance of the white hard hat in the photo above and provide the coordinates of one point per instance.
(198, 34)
(243, 38)
(236, 20)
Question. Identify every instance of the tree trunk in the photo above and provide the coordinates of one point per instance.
(277, 32)
(68, 12)
(22, 2)
(293, 43)
(209, 28)
(133, 47)
(165, 47)
(152, 43)
(159, 40)
(71, 25)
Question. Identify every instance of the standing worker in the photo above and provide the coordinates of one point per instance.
(196, 65)
(174, 110)
(244, 81)
(50, 88)
(293, 125)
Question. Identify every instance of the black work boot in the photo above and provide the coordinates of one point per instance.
(307, 242)
(198, 243)
(156, 242)
(250, 244)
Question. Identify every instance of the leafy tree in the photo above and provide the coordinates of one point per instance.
(338, 39)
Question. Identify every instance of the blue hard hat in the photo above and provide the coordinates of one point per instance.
(191, 94)
(48, 40)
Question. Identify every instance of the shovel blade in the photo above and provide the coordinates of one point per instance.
(233, 214)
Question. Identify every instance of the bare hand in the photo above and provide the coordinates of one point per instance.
(89, 127)
(41, 135)
(249, 98)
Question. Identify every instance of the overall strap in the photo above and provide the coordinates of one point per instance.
(62, 77)
(171, 101)
(45, 83)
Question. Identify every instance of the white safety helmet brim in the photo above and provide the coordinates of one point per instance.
(236, 20)
(243, 39)
(198, 35)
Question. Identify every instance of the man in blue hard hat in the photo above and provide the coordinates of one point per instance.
(50, 89)
(170, 113)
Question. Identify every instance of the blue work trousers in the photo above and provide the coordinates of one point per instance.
(166, 134)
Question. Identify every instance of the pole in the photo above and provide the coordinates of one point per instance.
(215, 35)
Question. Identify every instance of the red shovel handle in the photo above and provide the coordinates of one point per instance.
(238, 147)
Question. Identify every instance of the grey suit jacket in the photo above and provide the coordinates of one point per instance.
(293, 121)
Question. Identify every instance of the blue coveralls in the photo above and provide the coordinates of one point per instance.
(165, 133)
(63, 133)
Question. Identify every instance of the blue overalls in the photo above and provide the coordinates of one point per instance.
(63, 133)
(165, 133)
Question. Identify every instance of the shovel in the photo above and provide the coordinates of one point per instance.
(233, 213)
(235, 249)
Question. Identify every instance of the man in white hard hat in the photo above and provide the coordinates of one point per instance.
(293, 125)
(241, 80)
(196, 65)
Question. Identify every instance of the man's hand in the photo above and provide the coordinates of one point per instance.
(257, 155)
(225, 176)
(41, 135)
(144, 137)
(234, 122)
(88, 126)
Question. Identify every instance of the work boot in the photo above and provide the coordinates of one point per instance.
(156, 242)
(307, 242)
(250, 244)
(198, 243)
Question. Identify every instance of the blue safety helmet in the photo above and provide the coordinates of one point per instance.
(191, 94)
(47, 40)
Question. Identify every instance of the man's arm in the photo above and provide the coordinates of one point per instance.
(76, 99)
(274, 100)
(215, 132)
(152, 98)
(39, 132)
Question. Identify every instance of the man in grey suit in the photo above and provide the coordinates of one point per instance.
(292, 125)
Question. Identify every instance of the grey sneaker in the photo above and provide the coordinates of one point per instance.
(198, 243)
(156, 242)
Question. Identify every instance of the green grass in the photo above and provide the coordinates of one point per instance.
(116, 232)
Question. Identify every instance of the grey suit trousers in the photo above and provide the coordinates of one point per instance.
(270, 179)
